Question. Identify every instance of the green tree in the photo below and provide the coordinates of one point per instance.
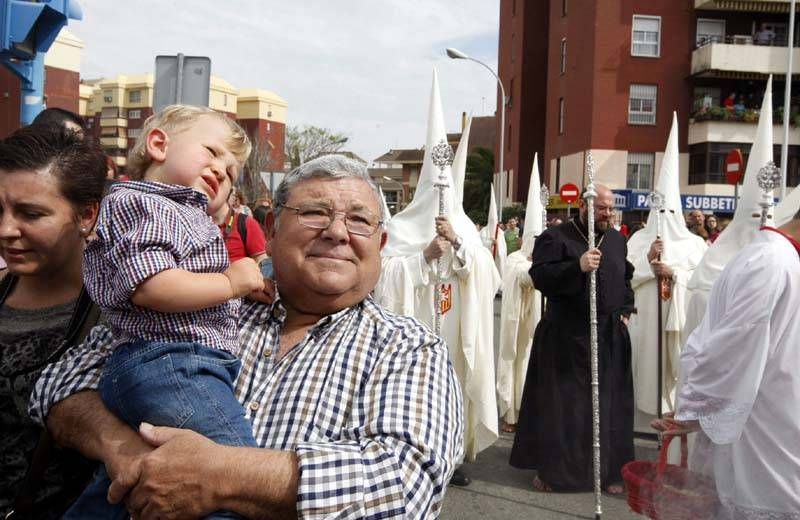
(309, 142)
(478, 183)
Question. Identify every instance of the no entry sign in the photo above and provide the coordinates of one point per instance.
(569, 193)
(734, 166)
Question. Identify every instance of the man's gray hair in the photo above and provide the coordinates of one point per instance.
(334, 166)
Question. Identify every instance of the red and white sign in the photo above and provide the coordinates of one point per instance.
(569, 193)
(734, 166)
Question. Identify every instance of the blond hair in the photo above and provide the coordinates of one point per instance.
(174, 119)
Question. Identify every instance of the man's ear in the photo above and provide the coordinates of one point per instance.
(384, 239)
(156, 143)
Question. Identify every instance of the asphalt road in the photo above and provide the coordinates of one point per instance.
(499, 491)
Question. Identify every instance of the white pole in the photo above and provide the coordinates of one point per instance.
(787, 99)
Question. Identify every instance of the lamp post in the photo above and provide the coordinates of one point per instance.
(458, 55)
(787, 99)
(402, 197)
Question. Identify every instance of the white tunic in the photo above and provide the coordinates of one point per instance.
(519, 315)
(683, 257)
(470, 282)
(740, 377)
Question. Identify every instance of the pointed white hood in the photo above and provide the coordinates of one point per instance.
(533, 210)
(679, 242)
(744, 225)
(413, 228)
(492, 219)
(459, 168)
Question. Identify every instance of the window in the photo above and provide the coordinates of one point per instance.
(558, 174)
(709, 31)
(109, 112)
(225, 100)
(640, 171)
(646, 39)
(108, 96)
(563, 7)
(134, 114)
(642, 106)
(133, 133)
(135, 96)
(560, 115)
(563, 55)
(707, 161)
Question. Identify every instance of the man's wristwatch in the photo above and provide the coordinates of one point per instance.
(457, 243)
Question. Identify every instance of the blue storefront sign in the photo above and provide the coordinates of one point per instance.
(637, 201)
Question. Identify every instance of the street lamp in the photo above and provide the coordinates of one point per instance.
(402, 191)
(458, 55)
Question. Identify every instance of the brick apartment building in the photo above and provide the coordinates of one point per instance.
(615, 71)
(115, 108)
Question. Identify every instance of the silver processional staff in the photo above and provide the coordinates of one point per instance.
(442, 157)
(768, 178)
(590, 197)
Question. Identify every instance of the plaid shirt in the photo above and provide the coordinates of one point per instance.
(368, 401)
(145, 228)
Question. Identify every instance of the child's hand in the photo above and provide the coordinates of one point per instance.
(245, 277)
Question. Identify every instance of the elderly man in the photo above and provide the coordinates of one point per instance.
(555, 421)
(327, 380)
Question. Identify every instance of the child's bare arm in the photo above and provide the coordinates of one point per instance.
(177, 290)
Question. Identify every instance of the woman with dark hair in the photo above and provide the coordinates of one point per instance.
(51, 183)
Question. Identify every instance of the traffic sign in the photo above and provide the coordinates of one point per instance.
(569, 193)
(182, 79)
(734, 166)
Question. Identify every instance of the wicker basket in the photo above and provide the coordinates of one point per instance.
(664, 491)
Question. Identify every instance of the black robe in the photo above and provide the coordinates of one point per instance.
(554, 431)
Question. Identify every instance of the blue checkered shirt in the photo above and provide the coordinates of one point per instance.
(368, 402)
(145, 228)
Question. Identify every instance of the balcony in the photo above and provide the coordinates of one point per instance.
(736, 132)
(113, 121)
(114, 142)
(740, 60)
(757, 6)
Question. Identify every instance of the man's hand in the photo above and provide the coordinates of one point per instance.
(625, 319)
(656, 248)
(179, 479)
(438, 246)
(445, 229)
(668, 425)
(590, 260)
(245, 277)
(661, 270)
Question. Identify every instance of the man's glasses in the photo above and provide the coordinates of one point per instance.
(358, 221)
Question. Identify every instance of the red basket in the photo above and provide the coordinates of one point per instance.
(664, 491)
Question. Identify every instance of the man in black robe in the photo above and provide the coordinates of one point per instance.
(554, 432)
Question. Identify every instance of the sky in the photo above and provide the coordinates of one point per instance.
(359, 67)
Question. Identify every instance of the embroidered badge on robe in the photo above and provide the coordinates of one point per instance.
(446, 293)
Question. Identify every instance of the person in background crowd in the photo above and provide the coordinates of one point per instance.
(696, 223)
(238, 202)
(51, 183)
(511, 235)
(264, 214)
(243, 236)
(730, 101)
(712, 228)
(357, 410)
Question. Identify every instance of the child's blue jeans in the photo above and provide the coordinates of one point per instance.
(183, 385)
